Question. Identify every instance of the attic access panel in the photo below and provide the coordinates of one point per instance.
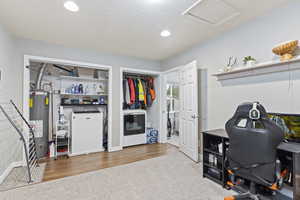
(214, 12)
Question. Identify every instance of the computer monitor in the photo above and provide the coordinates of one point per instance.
(290, 124)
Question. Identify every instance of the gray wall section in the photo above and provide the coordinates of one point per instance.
(38, 48)
(10, 147)
(277, 91)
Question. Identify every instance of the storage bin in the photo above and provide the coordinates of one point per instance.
(152, 136)
(100, 74)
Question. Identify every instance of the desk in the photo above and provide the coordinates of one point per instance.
(292, 148)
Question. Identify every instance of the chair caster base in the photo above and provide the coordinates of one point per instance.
(245, 196)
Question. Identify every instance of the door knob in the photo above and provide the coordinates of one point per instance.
(195, 116)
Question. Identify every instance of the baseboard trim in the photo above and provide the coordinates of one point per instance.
(88, 152)
(9, 169)
(117, 148)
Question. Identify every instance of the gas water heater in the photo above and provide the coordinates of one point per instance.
(39, 112)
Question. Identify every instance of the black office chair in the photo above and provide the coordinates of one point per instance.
(251, 155)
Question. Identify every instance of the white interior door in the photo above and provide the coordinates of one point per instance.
(189, 111)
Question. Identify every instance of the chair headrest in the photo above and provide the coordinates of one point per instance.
(254, 111)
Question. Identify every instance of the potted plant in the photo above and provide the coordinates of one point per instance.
(249, 61)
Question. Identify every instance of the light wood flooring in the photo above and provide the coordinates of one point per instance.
(64, 167)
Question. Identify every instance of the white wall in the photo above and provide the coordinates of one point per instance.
(10, 149)
(275, 91)
(38, 48)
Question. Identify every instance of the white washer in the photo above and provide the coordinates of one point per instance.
(87, 133)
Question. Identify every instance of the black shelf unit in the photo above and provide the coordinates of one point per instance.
(214, 148)
(213, 167)
(212, 152)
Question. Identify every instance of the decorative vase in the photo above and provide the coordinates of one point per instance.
(250, 63)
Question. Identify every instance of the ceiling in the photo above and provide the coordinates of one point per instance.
(122, 27)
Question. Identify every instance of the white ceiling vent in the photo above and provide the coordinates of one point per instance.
(214, 12)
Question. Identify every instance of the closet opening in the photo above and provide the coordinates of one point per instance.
(140, 109)
(68, 107)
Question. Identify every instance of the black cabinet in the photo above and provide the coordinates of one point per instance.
(214, 148)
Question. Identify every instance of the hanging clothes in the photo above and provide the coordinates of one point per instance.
(127, 95)
(152, 90)
(124, 94)
(145, 91)
(132, 91)
(141, 91)
(149, 99)
(148, 95)
(136, 86)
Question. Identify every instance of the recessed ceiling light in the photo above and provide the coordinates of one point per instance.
(165, 33)
(154, 1)
(71, 6)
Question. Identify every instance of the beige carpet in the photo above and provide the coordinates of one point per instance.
(171, 177)
(18, 177)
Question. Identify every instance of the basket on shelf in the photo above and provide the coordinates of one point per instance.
(286, 50)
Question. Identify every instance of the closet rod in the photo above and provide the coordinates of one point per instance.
(136, 76)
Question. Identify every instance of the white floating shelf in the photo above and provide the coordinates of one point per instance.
(81, 79)
(261, 68)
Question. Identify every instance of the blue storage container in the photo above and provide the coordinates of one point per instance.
(152, 136)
